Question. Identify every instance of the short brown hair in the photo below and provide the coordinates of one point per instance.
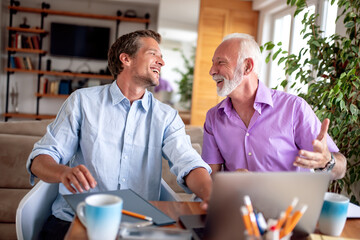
(129, 44)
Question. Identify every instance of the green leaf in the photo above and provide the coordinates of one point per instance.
(349, 24)
(281, 60)
(268, 58)
(342, 105)
(276, 54)
(284, 83)
(270, 46)
(316, 43)
(353, 109)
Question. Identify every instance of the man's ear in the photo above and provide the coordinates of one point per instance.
(124, 58)
(248, 66)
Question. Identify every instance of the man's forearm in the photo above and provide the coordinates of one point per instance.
(339, 169)
(200, 183)
(47, 169)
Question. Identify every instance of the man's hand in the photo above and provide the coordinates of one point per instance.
(74, 179)
(78, 177)
(241, 170)
(320, 154)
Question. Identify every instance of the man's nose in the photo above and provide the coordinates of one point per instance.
(160, 61)
(212, 71)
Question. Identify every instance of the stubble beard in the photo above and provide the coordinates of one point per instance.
(145, 81)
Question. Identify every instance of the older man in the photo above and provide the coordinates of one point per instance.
(261, 129)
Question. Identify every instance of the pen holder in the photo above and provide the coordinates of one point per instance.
(270, 235)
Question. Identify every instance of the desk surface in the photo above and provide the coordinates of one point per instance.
(176, 209)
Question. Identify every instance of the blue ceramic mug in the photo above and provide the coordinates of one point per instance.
(101, 215)
(333, 214)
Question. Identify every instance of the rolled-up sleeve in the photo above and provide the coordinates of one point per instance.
(61, 138)
(177, 149)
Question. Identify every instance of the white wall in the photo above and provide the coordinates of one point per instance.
(178, 20)
(27, 83)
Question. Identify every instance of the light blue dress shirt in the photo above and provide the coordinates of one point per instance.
(121, 144)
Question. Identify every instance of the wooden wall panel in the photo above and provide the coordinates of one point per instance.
(216, 19)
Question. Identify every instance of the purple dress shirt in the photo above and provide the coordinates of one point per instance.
(282, 124)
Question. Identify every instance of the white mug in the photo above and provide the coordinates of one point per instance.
(101, 215)
(333, 214)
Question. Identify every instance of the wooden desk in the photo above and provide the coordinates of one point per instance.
(176, 209)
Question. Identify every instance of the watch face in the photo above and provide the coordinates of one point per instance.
(330, 165)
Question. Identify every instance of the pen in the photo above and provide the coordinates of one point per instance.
(294, 220)
(137, 215)
(246, 218)
(284, 216)
(249, 207)
(261, 222)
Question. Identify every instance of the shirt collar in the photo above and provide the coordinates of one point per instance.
(117, 96)
(263, 96)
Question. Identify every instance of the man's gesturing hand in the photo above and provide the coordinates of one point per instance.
(320, 154)
(78, 177)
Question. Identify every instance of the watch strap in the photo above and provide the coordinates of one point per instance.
(329, 165)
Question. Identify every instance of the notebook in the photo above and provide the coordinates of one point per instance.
(132, 202)
(270, 193)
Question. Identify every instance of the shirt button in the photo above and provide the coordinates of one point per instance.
(247, 134)
(125, 157)
(249, 153)
(123, 179)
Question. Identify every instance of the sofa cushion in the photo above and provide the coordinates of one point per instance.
(9, 201)
(14, 150)
(31, 128)
(195, 133)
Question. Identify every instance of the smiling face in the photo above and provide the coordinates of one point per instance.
(225, 70)
(147, 62)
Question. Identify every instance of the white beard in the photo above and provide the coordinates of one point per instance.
(229, 85)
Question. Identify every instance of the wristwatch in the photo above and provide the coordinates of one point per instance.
(329, 165)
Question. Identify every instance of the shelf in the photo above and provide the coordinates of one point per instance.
(26, 50)
(28, 115)
(64, 74)
(75, 14)
(51, 95)
(28, 30)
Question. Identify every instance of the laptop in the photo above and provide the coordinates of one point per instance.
(270, 193)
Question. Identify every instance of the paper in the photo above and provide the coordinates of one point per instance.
(353, 211)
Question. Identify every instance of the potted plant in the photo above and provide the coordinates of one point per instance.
(331, 71)
(187, 76)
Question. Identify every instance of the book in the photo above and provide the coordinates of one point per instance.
(35, 42)
(43, 85)
(65, 87)
(18, 40)
(12, 62)
(29, 64)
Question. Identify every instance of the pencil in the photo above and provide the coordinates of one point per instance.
(246, 219)
(286, 214)
(294, 220)
(137, 215)
(249, 207)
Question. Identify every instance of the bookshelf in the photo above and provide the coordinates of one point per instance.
(34, 53)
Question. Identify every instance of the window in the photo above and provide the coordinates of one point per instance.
(286, 29)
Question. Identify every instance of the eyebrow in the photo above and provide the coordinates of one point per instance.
(155, 50)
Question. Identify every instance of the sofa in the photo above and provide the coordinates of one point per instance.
(16, 142)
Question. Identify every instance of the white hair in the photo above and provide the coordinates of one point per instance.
(248, 49)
